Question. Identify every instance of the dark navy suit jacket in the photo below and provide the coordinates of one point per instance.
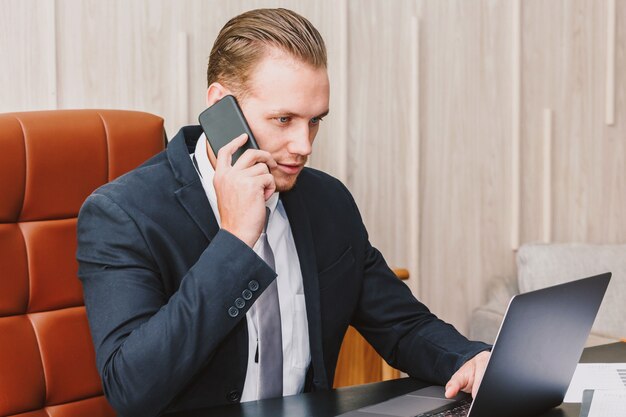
(159, 278)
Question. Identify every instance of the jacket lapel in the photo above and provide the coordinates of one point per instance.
(193, 199)
(303, 238)
(191, 195)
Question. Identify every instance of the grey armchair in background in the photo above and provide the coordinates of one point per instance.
(543, 265)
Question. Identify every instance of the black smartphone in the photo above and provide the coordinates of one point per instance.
(223, 122)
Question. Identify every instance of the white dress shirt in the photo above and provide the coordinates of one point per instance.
(294, 325)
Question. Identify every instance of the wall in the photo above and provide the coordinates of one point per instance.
(463, 128)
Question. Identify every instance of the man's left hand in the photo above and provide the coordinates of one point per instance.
(469, 376)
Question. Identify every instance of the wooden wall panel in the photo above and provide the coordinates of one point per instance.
(27, 45)
(332, 20)
(379, 129)
(465, 154)
(516, 120)
(609, 83)
(588, 156)
(118, 54)
(541, 66)
(547, 176)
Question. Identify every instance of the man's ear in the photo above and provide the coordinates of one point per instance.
(215, 92)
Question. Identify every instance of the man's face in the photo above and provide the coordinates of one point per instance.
(285, 103)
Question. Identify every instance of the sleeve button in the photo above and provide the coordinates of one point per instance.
(233, 312)
(233, 396)
(239, 303)
(246, 294)
(253, 285)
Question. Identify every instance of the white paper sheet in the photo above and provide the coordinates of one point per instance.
(596, 376)
(608, 403)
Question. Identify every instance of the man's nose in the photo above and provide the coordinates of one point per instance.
(300, 142)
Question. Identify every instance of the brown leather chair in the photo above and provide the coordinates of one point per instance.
(50, 161)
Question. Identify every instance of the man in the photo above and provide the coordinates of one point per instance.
(208, 282)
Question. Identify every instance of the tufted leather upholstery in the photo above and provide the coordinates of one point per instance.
(50, 162)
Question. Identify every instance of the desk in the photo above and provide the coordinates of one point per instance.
(341, 400)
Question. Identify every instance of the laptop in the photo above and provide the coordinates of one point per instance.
(532, 360)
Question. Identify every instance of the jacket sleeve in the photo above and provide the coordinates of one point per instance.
(402, 329)
(149, 346)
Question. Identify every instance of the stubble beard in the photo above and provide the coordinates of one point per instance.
(285, 185)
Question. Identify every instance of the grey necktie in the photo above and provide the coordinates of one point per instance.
(270, 346)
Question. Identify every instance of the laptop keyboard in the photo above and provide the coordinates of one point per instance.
(457, 409)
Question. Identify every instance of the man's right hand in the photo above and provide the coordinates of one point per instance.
(242, 189)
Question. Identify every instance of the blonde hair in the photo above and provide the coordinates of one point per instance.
(244, 40)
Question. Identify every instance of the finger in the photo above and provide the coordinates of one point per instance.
(256, 169)
(456, 383)
(480, 366)
(268, 193)
(254, 156)
(225, 154)
(452, 388)
(475, 389)
(272, 164)
(478, 378)
(460, 381)
(470, 384)
(269, 185)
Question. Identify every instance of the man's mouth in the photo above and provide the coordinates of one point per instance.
(290, 169)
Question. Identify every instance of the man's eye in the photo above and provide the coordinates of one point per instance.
(316, 120)
(283, 119)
